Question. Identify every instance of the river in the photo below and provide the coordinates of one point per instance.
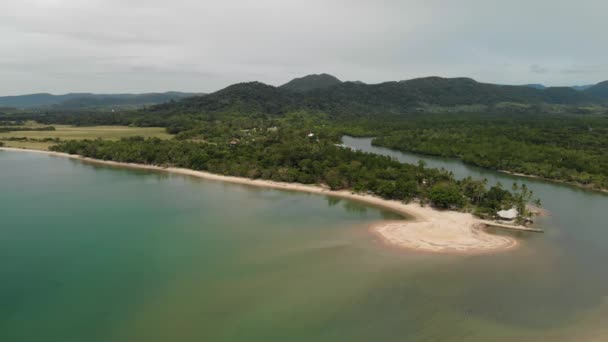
(96, 253)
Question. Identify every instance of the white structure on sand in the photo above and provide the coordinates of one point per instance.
(508, 215)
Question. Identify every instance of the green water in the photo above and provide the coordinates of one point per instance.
(91, 253)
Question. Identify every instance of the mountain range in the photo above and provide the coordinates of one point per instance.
(325, 93)
(79, 100)
(576, 87)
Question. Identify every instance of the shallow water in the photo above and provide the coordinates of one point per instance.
(572, 251)
(93, 253)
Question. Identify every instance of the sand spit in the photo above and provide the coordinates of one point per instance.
(431, 230)
(442, 232)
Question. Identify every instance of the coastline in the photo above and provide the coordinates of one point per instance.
(430, 229)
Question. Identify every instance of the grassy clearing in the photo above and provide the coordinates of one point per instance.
(31, 145)
(65, 132)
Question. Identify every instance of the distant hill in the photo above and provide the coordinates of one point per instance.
(576, 87)
(310, 82)
(535, 86)
(582, 87)
(599, 90)
(397, 97)
(76, 100)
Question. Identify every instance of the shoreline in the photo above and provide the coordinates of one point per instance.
(429, 229)
(557, 181)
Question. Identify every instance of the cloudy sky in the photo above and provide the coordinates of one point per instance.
(112, 46)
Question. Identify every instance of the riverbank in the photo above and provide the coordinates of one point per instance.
(507, 172)
(557, 181)
(431, 230)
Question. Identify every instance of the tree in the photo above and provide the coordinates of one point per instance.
(445, 195)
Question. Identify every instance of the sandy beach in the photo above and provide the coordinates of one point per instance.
(430, 230)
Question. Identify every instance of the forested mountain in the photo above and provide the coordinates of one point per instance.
(311, 82)
(242, 98)
(78, 100)
(466, 91)
(325, 93)
(352, 98)
(599, 90)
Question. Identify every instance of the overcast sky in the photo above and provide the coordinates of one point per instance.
(113, 46)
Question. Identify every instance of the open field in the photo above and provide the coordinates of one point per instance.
(65, 132)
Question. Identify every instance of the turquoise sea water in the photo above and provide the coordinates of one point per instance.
(94, 253)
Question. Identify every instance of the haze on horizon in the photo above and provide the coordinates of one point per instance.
(114, 46)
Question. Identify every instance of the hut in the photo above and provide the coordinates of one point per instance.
(508, 215)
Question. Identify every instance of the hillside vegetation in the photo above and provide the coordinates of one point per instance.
(599, 90)
(351, 100)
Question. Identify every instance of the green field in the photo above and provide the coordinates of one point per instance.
(65, 132)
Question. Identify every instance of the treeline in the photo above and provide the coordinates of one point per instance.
(44, 140)
(5, 129)
(308, 160)
(85, 117)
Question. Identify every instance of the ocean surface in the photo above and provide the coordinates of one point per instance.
(96, 253)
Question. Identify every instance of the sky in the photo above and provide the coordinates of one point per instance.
(116, 46)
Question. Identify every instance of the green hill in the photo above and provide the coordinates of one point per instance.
(353, 98)
(599, 90)
(310, 82)
(245, 98)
